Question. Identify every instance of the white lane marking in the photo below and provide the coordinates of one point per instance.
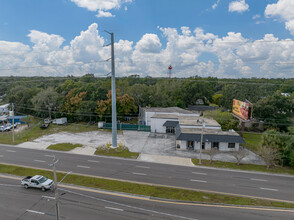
(141, 174)
(32, 211)
(269, 189)
(48, 197)
(94, 161)
(261, 180)
(143, 167)
(9, 185)
(48, 155)
(83, 167)
(1, 155)
(107, 207)
(129, 206)
(12, 151)
(199, 173)
(200, 181)
(41, 161)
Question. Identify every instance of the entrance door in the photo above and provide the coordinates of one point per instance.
(190, 145)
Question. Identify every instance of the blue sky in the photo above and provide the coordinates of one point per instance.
(150, 23)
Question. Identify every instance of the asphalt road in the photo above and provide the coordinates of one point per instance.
(244, 183)
(24, 204)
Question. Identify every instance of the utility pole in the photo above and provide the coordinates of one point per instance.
(201, 141)
(55, 188)
(12, 123)
(113, 90)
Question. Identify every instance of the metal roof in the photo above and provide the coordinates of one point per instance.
(211, 138)
(170, 123)
(167, 110)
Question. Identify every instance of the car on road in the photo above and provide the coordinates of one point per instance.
(37, 181)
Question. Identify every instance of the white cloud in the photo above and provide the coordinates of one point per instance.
(283, 9)
(102, 6)
(238, 6)
(215, 5)
(189, 52)
(257, 16)
(44, 40)
(290, 26)
(104, 14)
(149, 43)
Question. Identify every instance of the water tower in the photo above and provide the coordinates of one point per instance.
(170, 71)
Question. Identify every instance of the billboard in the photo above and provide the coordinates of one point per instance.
(242, 110)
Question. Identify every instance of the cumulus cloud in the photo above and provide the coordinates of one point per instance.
(104, 14)
(238, 6)
(215, 5)
(149, 43)
(190, 52)
(102, 6)
(284, 10)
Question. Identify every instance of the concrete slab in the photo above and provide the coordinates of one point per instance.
(33, 145)
(166, 159)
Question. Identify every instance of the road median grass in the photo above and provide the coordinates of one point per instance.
(145, 190)
(120, 151)
(247, 167)
(64, 146)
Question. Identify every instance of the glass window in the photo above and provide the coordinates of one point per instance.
(231, 145)
(170, 130)
(215, 145)
(43, 179)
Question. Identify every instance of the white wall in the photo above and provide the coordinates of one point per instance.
(222, 146)
(157, 124)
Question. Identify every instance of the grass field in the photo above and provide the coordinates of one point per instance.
(116, 152)
(145, 190)
(63, 146)
(253, 141)
(250, 167)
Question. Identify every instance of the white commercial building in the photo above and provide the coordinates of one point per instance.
(189, 128)
(146, 113)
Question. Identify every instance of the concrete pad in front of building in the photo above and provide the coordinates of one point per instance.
(166, 159)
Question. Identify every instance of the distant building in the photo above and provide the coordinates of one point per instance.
(188, 129)
(4, 109)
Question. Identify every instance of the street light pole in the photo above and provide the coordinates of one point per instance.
(12, 122)
(56, 187)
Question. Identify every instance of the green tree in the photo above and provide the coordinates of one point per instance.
(44, 99)
(276, 111)
(125, 106)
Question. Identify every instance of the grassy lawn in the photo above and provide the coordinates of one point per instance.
(63, 146)
(34, 131)
(116, 152)
(250, 167)
(252, 141)
(145, 190)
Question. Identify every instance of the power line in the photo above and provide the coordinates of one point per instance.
(57, 65)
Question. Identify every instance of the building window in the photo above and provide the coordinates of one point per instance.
(170, 130)
(203, 145)
(231, 145)
(215, 145)
(190, 145)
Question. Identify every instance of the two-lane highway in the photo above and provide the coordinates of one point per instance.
(280, 187)
(23, 204)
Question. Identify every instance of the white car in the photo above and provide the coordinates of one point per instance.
(37, 181)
